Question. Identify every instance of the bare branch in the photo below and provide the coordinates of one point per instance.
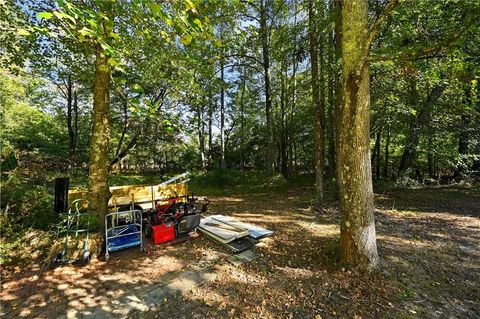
(379, 22)
(242, 64)
(246, 56)
(427, 52)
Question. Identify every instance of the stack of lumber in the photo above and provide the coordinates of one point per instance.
(232, 233)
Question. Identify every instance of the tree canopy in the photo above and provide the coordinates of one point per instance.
(350, 91)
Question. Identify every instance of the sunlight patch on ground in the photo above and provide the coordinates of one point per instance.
(228, 199)
(411, 242)
(297, 273)
(319, 229)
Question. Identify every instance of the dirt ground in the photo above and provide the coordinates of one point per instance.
(428, 240)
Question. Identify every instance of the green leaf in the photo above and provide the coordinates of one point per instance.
(44, 15)
(85, 31)
(23, 32)
(190, 6)
(63, 15)
(198, 22)
(137, 88)
(156, 8)
(112, 62)
(186, 39)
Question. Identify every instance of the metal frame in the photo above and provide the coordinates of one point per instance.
(72, 230)
(118, 231)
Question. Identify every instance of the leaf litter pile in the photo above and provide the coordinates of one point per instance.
(428, 241)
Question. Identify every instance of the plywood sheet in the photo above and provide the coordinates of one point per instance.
(220, 231)
(255, 232)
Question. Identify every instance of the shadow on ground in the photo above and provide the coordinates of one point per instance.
(428, 240)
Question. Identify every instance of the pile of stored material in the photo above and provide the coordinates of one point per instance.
(232, 233)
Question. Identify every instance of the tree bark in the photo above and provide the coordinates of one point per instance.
(387, 154)
(223, 163)
(377, 158)
(270, 155)
(430, 158)
(242, 118)
(316, 99)
(99, 193)
(421, 119)
(358, 245)
(70, 124)
(331, 105)
(464, 136)
(337, 6)
(122, 135)
(75, 121)
(210, 131)
(201, 139)
(283, 135)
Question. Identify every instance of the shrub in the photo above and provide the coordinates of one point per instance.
(25, 204)
(228, 178)
(277, 180)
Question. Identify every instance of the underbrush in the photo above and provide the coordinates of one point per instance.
(79, 178)
(25, 246)
(27, 219)
(230, 181)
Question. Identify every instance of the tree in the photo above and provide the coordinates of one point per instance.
(318, 111)
(264, 8)
(98, 190)
(357, 240)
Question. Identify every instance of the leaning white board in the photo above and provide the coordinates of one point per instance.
(220, 231)
(254, 231)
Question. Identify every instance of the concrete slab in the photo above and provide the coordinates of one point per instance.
(242, 258)
(153, 297)
(191, 278)
(175, 287)
(194, 278)
(149, 295)
(208, 274)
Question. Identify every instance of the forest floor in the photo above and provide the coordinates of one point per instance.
(428, 241)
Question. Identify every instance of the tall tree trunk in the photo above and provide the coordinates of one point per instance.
(421, 119)
(387, 154)
(463, 141)
(431, 164)
(464, 136)
(337, 6)
(201, 139)
(223, 163)
(270, 155)
(242, 118)
(126, 122)
(331, 104)
(283, 135)
(316, 99)
(377, 158)
(75, 121)
(99, 193)
(357, 239)
(71, 133)
(211, 109)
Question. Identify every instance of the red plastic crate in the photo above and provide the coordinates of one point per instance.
(162, 233)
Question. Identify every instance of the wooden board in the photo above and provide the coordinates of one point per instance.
(143, 195)
(219, 231)
(255, 232)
